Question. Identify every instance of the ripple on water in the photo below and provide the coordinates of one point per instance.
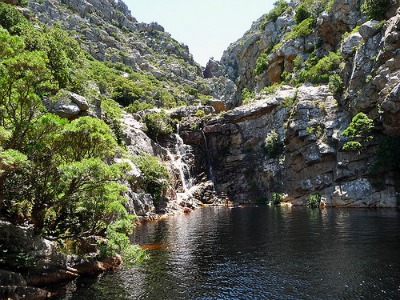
(261, 253)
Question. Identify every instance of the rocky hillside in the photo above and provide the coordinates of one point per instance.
(107, 30)
(320, 81)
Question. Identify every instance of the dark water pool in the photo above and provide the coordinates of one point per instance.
(261, 253)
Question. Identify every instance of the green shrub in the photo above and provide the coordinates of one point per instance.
(158, 124)
(247, 96)
(272, 146)
(335, 84)
(359, 132)
(313, 200)
(126, 91)
(276, 198)
(191, 91)
(289, 100)
(261, 64)
(142, 88)
(205, 99)
(302, 29)
(118, 242)
(375, 9)
(352, 146)
(270, 89)
(137, 106)
(155, 175)
(23, 2)
(112, 115)
(318, 130)
(200, 113)
(11, 19)
(66, 58)
(318, 70)
(315, 7)
(280, 7)
(301, 13)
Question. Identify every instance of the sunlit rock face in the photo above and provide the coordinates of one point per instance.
(311, 160)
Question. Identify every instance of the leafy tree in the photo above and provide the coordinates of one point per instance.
(10, 160)
(11, 19)
(66, 184)
(90, 197)
(359, 132)
(54, 171)
(24, 76)
(65, 59)
(86, 137)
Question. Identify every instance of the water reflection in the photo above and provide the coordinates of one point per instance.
(262, 253)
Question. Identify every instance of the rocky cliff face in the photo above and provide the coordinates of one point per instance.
(309, 120)
(312, 159)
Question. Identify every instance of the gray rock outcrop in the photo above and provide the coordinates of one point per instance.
(312, 160)
(68, 105)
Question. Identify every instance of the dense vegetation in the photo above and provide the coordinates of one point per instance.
(56, 174)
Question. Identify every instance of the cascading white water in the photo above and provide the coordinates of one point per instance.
(177, 160)
(184, 170)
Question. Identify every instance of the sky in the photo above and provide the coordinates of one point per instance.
(208, 27)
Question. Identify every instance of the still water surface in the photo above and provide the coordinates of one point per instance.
(261, 253)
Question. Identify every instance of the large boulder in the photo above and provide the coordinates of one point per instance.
(350, 44)
(140, 204)
(369, 29)
(67, 105)
(212, 69)
(80, 101)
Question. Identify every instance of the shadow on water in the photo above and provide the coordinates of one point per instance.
(261, 253)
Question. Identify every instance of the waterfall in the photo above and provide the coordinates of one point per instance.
(209, 159)
(177, 160)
